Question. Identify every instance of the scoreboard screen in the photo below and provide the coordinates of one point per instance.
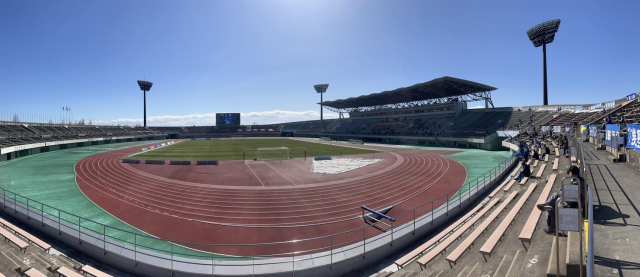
(227, 119)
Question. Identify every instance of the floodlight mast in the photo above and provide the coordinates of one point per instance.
(541, 35)
(145, 86)
(321, 89)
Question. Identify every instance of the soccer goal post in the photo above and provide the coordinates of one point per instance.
(272, 153)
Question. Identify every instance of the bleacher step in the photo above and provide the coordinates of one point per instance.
(573, 255)
(551, 267)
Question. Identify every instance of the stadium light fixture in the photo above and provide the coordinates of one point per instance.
(541, 35)
(145, 86)
(321, 89)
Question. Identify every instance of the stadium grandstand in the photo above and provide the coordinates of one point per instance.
(496, 229)
(24, 138)
(433, 112)
(434, 179)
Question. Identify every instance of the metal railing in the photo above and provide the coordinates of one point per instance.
(289, 255)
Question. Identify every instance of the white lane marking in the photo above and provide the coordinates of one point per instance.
(10, 259)
(513, 262)
(472, 270)
(279, 173)
(254, 173)
(499, 266)
(462, 271)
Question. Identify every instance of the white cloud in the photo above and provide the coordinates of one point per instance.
(209, 119)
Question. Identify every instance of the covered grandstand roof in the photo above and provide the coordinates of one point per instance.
(437, 88)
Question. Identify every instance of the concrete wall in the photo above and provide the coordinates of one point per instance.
(488, 143)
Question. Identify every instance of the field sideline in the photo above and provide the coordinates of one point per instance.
(239, 149)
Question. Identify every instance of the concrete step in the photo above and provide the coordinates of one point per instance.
(573, 255)
(551, 267)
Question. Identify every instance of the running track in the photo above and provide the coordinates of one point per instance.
(218, 218)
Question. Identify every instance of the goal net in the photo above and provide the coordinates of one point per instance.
(272, 153)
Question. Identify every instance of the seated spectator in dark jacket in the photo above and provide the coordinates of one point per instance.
(550, 207)
(535, 155)
(525, 172)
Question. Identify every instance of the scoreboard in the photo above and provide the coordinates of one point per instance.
(227, 119)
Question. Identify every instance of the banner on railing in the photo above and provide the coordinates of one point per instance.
(593, 130)
(632, 96)
(612, 136)
(633, 137)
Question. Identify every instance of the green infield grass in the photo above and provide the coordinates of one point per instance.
(247, 149)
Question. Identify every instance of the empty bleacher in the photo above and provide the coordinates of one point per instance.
(570, 118)
(627, 113)
(529, 227)
(25, 133)
(499, 242)
(27, 254)
(471, 238)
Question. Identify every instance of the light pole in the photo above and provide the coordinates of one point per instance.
(541, 35)
(145, 86)
(321, 89)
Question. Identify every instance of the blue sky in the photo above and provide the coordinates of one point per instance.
(262, 57)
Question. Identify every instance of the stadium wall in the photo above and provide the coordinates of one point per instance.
(16, 151)
(491, 142)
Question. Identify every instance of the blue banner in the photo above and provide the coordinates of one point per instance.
(612, 136)
(633, 137)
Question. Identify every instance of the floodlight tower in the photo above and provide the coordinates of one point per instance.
(543, 34)
(145, 86)
(321, 89)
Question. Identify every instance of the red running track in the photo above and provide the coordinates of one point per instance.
(220, 219)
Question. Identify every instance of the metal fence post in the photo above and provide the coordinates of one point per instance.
(432, 211)
(414, 220)
(447, 199)
(293, 263)
(59, 230)
(104, 239)
(172, 267)
(79, 227)
(364, 241)
(213, 265)
(135, 249)
(590, 235)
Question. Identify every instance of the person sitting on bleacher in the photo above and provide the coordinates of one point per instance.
(535, 155)
(525, 152)
(550, 207)
(525, 172)
(576, 179)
